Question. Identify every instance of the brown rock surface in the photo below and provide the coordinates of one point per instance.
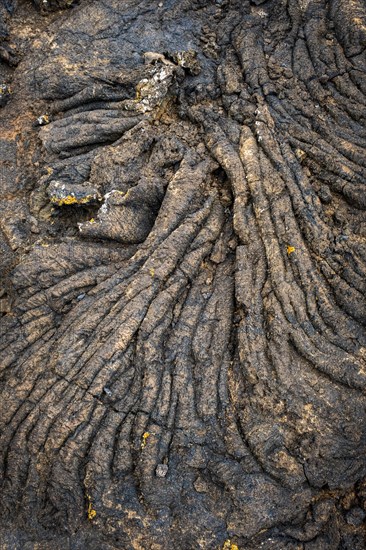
(183, 252)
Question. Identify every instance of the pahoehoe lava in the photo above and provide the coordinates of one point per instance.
(183, 256)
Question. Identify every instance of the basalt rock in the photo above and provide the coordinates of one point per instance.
(183, 349)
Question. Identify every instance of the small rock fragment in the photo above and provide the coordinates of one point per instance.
(153, 57)
(43, 120)
(188, 60)
(161, 470)
(62, 194)
(4, 94)
(325, 194)
(355, 517)
(5, 306)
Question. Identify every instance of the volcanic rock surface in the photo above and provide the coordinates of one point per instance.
(183, 256)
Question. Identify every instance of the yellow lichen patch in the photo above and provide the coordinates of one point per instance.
(228, 545)
(301, 155)
(92, 220)
(65, 200)
(71, 199)
(290, 250)
(145, 437)
(88, 198)
(152, 272)
(91, 512)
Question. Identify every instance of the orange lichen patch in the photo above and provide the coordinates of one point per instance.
(290, 250)
(145, 437)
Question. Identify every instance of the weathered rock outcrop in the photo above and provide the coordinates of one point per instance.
(183, 238)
